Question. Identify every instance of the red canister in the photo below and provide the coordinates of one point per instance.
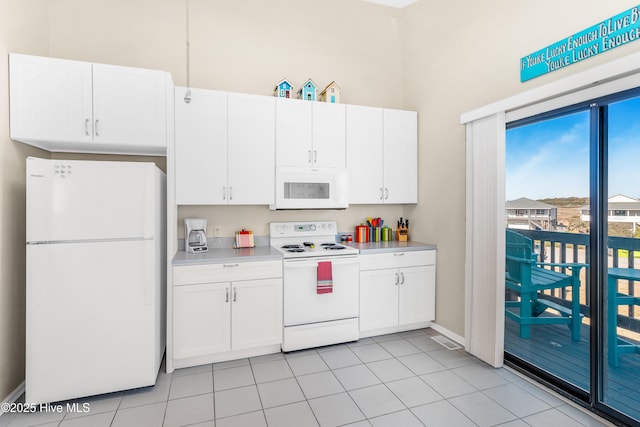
(362, 233)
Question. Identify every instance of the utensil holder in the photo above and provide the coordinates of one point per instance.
(362, 234)
(387, 234)
(374, 234)
(402, 234)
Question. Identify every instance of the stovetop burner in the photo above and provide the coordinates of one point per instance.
(307, 239)
(334, 247)
(292, 247)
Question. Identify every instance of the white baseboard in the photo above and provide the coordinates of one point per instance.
(13, 396)
(447, 333)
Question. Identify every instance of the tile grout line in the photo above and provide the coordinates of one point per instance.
(306, 400)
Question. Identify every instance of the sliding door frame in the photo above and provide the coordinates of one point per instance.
(598, 82)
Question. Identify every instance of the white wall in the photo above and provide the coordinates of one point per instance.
(459, 55)
(23, 28)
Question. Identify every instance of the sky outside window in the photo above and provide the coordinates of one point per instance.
(550, 158)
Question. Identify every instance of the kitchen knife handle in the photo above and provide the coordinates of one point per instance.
(227, 299)
(86, 126)
(96, 128)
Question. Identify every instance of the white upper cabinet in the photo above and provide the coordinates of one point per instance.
(400, 156)
(382, 155)
(73, 106)
(51, 100)
(129, 106)
(293, 133)
(251, 149)
(310, 134)
(224, 148)
(201, 147)
(329, 135)
(365, 159)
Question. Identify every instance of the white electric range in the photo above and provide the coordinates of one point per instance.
(316, 314)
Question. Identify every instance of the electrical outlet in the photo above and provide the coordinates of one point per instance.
(217, 231)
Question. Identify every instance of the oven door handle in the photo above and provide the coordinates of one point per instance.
(306, 263)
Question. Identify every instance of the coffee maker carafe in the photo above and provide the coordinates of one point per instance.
(195, 235)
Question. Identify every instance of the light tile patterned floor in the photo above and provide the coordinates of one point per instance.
(398, 380)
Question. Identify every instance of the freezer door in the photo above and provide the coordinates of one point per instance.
(91, 319)
(89, 200)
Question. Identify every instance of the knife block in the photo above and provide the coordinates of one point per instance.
(402, 234)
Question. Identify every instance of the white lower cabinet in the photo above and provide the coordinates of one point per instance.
(397, 291)
(223, 310)
(256, 313)
(201, 319)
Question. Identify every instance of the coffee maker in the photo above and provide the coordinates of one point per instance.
(195, 235)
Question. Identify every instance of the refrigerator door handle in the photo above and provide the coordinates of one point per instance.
(149, 272)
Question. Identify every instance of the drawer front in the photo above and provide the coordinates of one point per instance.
(227, 272)
(397, 260)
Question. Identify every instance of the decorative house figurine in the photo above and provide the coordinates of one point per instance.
(283, 89)
(331, 93)
(308, 91)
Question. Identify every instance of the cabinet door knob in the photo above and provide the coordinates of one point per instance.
(230, 193)
(224, 193)
(397, 279)
(381, 193)
(309, 152)
(402, 281)
(386, 193)
(96, 128)
(235, 294)
(227, 298)
(86, 126)
(315, 156)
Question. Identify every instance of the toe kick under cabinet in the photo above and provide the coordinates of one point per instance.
(397, 291)
(226, 311)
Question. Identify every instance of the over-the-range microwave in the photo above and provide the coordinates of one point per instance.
(311, 188)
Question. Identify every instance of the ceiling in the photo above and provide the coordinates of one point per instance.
(393, 3)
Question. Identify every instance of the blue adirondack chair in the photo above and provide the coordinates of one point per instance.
(528, 277)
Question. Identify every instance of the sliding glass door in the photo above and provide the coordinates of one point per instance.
(572, 224)
(547, 185)
(621, 319)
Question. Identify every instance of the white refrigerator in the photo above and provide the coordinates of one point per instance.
(96, 277)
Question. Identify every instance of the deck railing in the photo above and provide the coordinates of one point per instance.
(557, 247)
